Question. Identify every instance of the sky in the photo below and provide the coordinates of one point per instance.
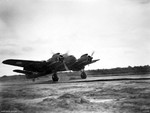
(117, 30)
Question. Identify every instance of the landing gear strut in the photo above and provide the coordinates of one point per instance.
(83, 75)
(55, 77)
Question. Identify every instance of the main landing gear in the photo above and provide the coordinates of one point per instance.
(55, 77)
(83, 75)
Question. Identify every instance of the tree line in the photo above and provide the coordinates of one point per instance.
(125, 70)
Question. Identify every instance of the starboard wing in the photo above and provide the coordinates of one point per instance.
(20, 63)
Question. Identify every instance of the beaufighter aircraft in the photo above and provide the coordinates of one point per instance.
(58, 62)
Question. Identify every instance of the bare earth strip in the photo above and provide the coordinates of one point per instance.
(42, 96)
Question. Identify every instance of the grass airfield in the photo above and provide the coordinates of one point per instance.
(67, 96)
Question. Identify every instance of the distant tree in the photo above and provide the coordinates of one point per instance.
(4, 76)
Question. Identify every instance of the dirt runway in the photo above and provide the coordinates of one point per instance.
(122, 96)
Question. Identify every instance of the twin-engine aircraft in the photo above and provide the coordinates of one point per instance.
(58, 62)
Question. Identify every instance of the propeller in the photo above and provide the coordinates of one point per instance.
(92, 53)
(60, 58)
(67, 69)
(65, 54)
(90, 57)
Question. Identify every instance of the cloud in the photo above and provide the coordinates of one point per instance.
(14, 49)
(27, 49)
(14, 16)
(115, 29)
(8, 52)
(8, 15)
(142, 1)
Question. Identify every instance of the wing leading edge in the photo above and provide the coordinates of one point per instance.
(20, 63)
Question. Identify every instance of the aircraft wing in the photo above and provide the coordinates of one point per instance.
(93, 61)
(21, 63)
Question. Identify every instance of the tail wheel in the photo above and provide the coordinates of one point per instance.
(55, 77)
(83, 75)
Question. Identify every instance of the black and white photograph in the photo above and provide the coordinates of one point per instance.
(74, 56)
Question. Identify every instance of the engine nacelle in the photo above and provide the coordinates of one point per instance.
(85, 58)
(56, 58)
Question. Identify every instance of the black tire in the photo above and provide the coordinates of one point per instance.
(83, 75)
(55, 78)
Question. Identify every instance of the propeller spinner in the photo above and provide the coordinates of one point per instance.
(90, 57)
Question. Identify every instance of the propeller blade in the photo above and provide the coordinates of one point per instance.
(65, 54)
(52, 52)
(92, 53)
(65, 66)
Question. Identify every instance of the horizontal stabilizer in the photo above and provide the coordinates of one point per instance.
(22, 71)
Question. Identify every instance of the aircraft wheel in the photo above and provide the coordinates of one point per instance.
(55, 77)
(83, 75)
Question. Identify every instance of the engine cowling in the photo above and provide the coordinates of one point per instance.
(89, 59)
(85, 58)
(56, 58)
